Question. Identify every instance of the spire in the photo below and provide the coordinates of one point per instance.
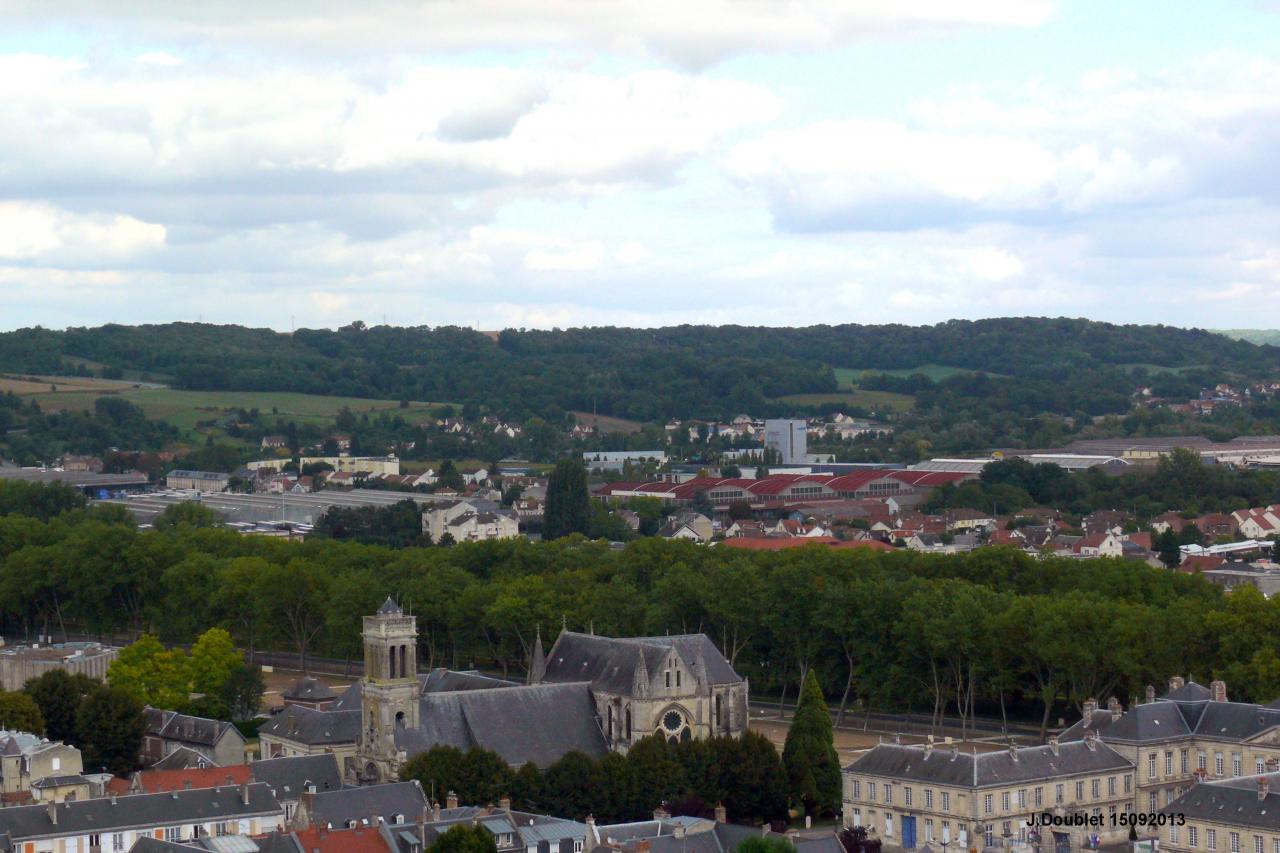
(640, 680)
(538, 664)
(389, 608)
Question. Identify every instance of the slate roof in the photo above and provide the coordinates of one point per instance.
(288, 777)
(147, 844)
(1189, 692)
(184, 728)
(965, 769)
(348, 700)
(537, 723)
(183, 758)
(335, 808)
(442, 680)
(389, 608)
(313, 728)
(1165, 720)
(309, 690)
(610, 664)
(198, 805)
(59, 781)
(1231, 801)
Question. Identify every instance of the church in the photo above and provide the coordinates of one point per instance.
(591, 694)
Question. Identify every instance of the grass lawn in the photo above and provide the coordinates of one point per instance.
(848, 376)
(876, 400)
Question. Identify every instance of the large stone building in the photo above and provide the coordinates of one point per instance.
(591, 694)
(1240, 815)
(19, 664)
(917, 795)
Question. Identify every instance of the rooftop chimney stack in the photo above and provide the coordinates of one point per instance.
(244, 794)
(53, 812)
(451, 800)
(1090, 705)
(1176, 682)
(1151, 693)
(1218, 691)
(1053, 744)
(722, 814)
(1114, 706)
(1264, 787)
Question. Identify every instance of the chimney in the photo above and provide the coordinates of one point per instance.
(435, 811)
(186, 784)
(642, 846)
(955, 752)
(1114, 706)
(1218, 691)
(1264, 787)
(1090, 705)
(244, 794)
(451, 800)
(504, 804)
(53, 812)
(928, 747)
(1091, 739)
(660, 813)
(722, 814)
(113, 798)
(1176, 682)
(1013, 750)
(1053, 744)
(1150, 695)
(679, 830)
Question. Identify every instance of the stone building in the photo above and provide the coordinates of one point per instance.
(19, 664)
(589, 694)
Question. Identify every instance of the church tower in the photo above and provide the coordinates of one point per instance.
(389, 690)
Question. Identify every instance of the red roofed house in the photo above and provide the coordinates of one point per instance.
(1200, 563)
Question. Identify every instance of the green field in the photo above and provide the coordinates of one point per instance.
(848, 376)
(871, 400)
(1157, 368)
(1253, 336)
(184, 408)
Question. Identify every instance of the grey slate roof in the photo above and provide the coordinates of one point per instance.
(610, 663)
(140, 810)
(1189, 692)
(309, 690)
(389, 607)
(184, 728)
(147, 844)
(965, 769)
(288, 777)
(348, 700)
(312, 727)
(538, 723)
(183, 758)
(335, 808)
(441, 680)
(1166, 720)
(1231, 801)
(58, 781)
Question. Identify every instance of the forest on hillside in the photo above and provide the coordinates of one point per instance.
(1055, 365)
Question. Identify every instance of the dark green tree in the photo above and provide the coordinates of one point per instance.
(109, 730)
(571, 786)
(526, 788)
(242, 691)
(568, 505)
(463, 838)
(59, 693)
(765, 844)
(189, 513)
(813, 768)
(19, 712)
(755, 780)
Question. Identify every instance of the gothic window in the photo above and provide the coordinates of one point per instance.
(610, 722)
(677, 678)
(672, 721)
(404, 671)
(391, 656)
(399, 719)
(717, 710)
(668, 678)
(628, 724)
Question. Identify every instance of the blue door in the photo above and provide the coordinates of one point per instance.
(908, 832)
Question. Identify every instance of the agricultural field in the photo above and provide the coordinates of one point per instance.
(25, 385)
(184, 409)
(848, 376)
(607, 423)
(879, 401)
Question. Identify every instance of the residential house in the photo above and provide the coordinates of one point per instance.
(114, 823)
(274, 442)
(688, 524)
(958, 520)
(1105, 544)
(1258, 523)
(299, 730)
(1217, 525)
(309, 693)
(197, 481)
(1106, 521)
(395, 803)
(1169, 521)
(166, 731)
(72, 462)
(26, 760)
(1235, 815)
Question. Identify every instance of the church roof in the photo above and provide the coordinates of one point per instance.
(309, 689)
(441, 680)
(389, 607)
(538, 723)
(610, 664)
(301, 724)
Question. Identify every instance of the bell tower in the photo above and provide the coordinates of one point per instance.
(388, 691)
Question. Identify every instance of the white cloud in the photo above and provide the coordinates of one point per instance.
(30, 231)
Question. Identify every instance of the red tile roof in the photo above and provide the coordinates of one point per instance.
(162, 781)
(752, 543)
(358, 840)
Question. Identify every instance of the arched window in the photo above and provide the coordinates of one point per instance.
(400, 719)
(628, 723)
(391, 658)
(717, 710)
(404, 671)
(610, 722)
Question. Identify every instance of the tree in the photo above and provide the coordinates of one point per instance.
(465, 839)
(242, 691)
(439, 769)
(295, 595)
(765, 844)
(189, 513)
(755, 779)
(813, 769)
(58, 693)
(20, 713)
(213, 658)
(109, 730)
(152, 674)
(570, 786)
(568, 505)
(449, 476)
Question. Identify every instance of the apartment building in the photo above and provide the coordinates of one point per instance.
(916, 795)
(1240, 815)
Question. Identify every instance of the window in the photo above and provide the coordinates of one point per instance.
(857, 789)
(173, 833)
(1193, 836)
(1128, 783)
(577, 845)
(95, 840)
(677, 678)
(888, 825)
(906, 795)
(946, 831)
(1235, 764)
(1111, 810)
(1168, 762)
(1235, 842)
(1258, 846)
(1184, 761)
(871, 791)
(1022, 798)
(1004, 801)
(1079, 791)
(718, 709)
(1201, 761)
(1211, 839)
(1095, 788)
(668, 678)
(1111, 786)
(1151, 766)
(1259, 766)
(1057, 794)
(1218, 763)
(987, 807)
(1152, 805)
(888, 794)
(1039, 797)
(57, 763)
(989, 831)
(928, 829)
(946, 804)
(928, 798)
(1275, 845)
(1173, 833)
(857, 817)
(117, 842)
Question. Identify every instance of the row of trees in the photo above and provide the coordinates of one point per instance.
(226, 688)
(105, 721)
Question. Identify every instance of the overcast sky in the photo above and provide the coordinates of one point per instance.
(586, 162)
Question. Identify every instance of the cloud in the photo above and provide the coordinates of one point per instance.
(36, 231)
(692, 34)
(1116, 140)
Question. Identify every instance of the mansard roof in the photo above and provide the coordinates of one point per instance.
(301, 724)
(944, 766)
(1165, 720)
(1231, 801)
(335, 808)
(610, 664)
(441, 680)
(538, 723)
(288, 777)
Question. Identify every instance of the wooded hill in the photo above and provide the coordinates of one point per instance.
(1062, 365)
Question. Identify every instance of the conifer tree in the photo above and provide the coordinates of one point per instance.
(813, 768)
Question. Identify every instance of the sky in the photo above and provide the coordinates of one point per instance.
(559, 163)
